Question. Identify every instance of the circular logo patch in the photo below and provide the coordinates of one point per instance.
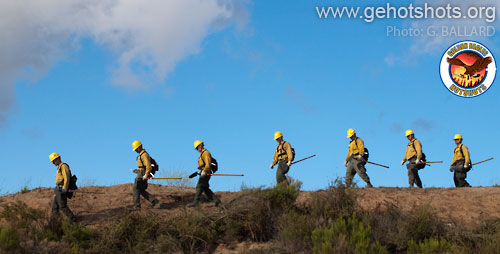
(468, 69)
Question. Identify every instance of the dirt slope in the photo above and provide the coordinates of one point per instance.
(93, 204)
(465, 205)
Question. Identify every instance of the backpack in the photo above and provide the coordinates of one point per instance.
(72, 179)
(72, 182)
(423, 159)
(366, 154)
(154, 166)
(213, 164)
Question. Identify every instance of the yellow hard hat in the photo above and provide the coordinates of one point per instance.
(278, 135)
(458, 136)
(197, 143)
(409, 132)
(136, 145)
(350, 132)
(53, 156)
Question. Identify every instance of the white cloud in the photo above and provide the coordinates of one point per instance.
(147, 37)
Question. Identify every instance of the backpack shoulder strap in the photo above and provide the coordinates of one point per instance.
(139, 157)
(414, 148)
(413, 144)
(60, 166)
(281, 147)
(356, 143)
(462, 152)
(201, 155)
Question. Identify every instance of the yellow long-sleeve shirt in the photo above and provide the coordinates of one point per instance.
(413, 148)
(283, 152)
(461, 154)
(144, 162)
(62, 176)
(356, 146)
(205, 161)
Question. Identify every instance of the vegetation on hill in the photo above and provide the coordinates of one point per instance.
(329, 222)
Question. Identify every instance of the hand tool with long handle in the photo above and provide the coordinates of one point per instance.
(482, 161)
(303, 159)
(225, 174)
(377, 164)
(165, 178)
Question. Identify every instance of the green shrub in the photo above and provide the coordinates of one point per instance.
(9, 239)
(395, 228)
(187, 233)
(53, 231)
(18, 215)
(485, 238)
(256, 213)
(282, 196)
(24, 190)
(430, 246)
(125, 231)
(78, 236)
(296, 231)
(423, 223)
(336, 201)
(346, 235)
(388, 223)
(194, 232)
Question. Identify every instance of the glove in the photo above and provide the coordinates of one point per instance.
(345, 163)
(272, 165)
(466, 166)
(358, 157)
(417, 162)
(203, 173)
(64, 191)
(145, 177)
(402, 162)
(289, 163)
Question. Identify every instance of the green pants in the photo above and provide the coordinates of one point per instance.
(413, 177)
(61, 202)
(459, 175)
(204, 187)
(139, 189)
(281, 172)
(356, 166)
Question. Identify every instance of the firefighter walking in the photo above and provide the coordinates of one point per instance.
(460, 164)
(205, 166)
(61, 191)
(354, 161)
(141, 180)
(414, 156)
(283, 156)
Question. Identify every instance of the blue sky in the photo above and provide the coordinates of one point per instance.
(277, 68)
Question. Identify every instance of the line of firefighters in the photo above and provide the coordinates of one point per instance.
(284, 155)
